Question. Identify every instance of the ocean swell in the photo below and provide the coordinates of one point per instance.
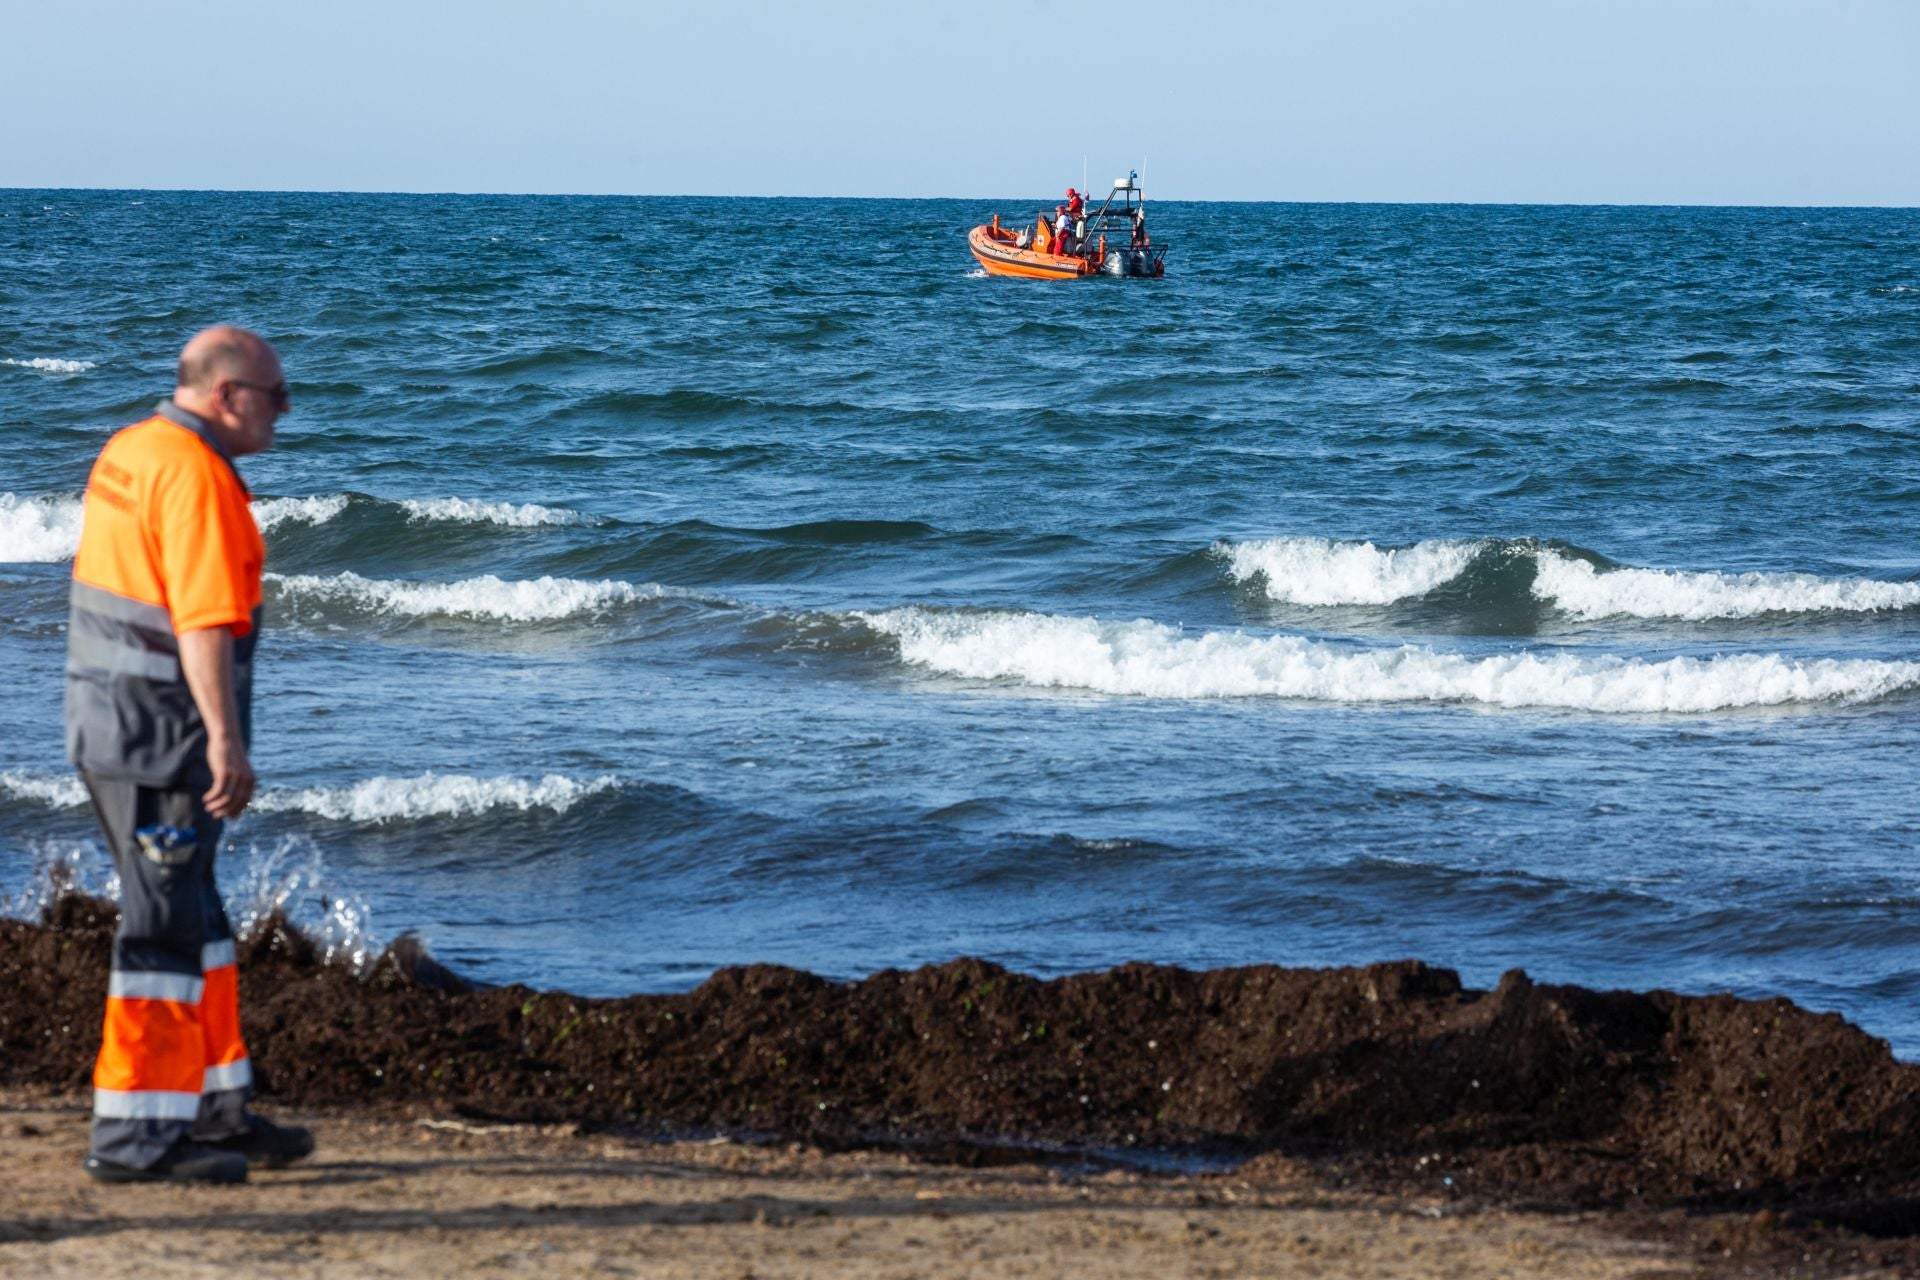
(1148, 659)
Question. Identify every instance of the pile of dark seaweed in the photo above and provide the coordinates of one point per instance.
(1391, 1074)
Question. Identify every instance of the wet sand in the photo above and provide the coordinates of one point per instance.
(393, 1197)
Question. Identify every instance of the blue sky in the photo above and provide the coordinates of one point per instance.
(1626, 101)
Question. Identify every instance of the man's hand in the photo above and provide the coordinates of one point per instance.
(233, 779)
(206, 657)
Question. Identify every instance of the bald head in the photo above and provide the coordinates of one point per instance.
(231, 378)
(221, 353)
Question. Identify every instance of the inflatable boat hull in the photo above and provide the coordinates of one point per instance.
(997, 252)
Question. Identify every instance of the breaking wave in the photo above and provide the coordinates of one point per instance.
(44, 364)
(1579, 588)
(433, 795)
(489, 597)
(1148, 659)
(522, 515)
(1320, 572)
(269, 513)
(323, 508)
(374, 800)
(46, 527)
(55, 790)
(43, 529)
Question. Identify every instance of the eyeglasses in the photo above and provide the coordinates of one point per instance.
(282, 399)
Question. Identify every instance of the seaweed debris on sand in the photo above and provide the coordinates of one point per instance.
(1393, 1074)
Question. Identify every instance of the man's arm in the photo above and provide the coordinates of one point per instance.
(206, 658)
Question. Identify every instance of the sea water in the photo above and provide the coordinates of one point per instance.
(662, 584)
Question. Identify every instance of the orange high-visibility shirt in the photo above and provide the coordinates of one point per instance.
(167, 522)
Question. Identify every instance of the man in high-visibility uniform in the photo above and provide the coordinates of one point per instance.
(164, 618)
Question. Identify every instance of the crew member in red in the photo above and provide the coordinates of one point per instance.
(1075, 204)
(160, 638)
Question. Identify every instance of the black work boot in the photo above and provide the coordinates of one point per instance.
(185, 1161)
(268, 1145)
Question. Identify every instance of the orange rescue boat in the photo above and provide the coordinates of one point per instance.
(1003, 253)
(1111, 241)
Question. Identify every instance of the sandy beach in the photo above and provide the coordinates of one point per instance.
(965, 1120)
(397, 1197)
(696, 647)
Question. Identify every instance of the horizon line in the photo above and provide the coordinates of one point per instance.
(631, 195)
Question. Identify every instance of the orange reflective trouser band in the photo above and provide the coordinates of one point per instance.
(172, 1062)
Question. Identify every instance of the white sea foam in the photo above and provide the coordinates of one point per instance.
(55, 790)
(1576, 587)
(524, 515)
(1148, 659)
(532, 600)
(433, 795)
(44, 364)
(320, 509)
(269, 513)
(42, 529)
(1320, 571)
(47, 528)
(380, 799)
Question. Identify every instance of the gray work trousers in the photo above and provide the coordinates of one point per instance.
(171, 1061)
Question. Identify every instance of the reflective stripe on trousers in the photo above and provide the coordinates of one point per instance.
(172, 1060)
(170, 1039)
(227, 1063)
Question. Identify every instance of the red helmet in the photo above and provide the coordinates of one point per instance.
(1069, 190)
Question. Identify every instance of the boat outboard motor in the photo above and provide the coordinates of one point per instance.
(1115, 263)
(1137, 263)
